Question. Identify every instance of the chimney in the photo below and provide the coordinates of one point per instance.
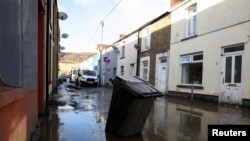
(174, 2)
(122, 35)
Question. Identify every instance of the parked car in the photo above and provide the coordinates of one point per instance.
(62, 78)
(87, 78)
(73, 75)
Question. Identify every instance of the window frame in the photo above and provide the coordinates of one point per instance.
(122, 70)
(190, 60)
(191, 24)
(123, 52)
(145, 59)
(146, 38)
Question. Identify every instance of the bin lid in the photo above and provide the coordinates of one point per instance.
(139, 86)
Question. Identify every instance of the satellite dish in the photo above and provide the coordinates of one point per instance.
(65, 35)
(62, 48)
(62, 16)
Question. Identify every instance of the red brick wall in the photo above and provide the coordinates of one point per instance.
(160, 42)
(41, 61)
(18, 118)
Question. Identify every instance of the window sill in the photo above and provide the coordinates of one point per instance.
(145, 50)
(9, 95)
(189, 37)
(122, 57)
(190, 86)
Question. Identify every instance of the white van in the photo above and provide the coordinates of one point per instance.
(73, 75)
(87, 77)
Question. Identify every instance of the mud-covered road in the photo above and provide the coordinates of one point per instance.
(81, 114)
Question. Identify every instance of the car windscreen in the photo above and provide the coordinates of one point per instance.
(74, 72)
(89, 73)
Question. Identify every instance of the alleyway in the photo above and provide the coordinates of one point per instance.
(80, 115)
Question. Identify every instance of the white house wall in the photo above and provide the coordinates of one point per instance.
(130, 55)
(226, 22)
(109, 68)
(212, 14)
(87, 64)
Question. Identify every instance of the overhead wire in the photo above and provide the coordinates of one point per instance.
(111, 10)
(92, 37)
(102, 21)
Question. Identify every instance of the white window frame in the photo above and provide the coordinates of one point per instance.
(142, 68)
(146, 38)
(123, 52)
(191, 20)
(189, 59)
(122, 70)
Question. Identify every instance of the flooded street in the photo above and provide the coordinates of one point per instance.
(81, 114)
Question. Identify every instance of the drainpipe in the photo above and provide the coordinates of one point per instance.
(192, 92)
(138, 55)
(47, 55)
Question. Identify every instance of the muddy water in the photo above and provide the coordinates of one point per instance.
(82, 117)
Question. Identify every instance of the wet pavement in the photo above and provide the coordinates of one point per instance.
(81, 114)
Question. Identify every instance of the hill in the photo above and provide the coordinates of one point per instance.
(68, 60)
(69, 57)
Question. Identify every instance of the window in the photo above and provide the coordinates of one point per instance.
(191, 20)
(114, 72)
(123, 52)
(89, 73)
(191, 69)
(122, 70)
(145, 70)
(146, 33)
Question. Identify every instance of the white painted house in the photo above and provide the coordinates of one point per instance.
(88, 63)
(210, 49)
(127, 56)
(109, 64)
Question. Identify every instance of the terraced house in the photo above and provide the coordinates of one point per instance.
(210, 49)
(145, 52)
(154, 41)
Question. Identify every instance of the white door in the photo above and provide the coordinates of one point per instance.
(162, 75)
(232, 76)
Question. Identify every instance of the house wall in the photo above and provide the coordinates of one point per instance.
(41, 57)
(219, 24)
(130, 54)
(17, 39)
(18, 118)
(95, 61)
(87, 64)
(110, 67)
(52, 46)
(55, 37)
(18, 68)
(159, 45)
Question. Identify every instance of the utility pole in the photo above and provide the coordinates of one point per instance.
(100, 63)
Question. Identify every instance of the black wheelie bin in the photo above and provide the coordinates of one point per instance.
(130, 105)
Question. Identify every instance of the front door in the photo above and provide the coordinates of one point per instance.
(162, 75)
(232, 75)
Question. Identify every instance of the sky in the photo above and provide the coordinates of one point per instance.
(83, 24)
